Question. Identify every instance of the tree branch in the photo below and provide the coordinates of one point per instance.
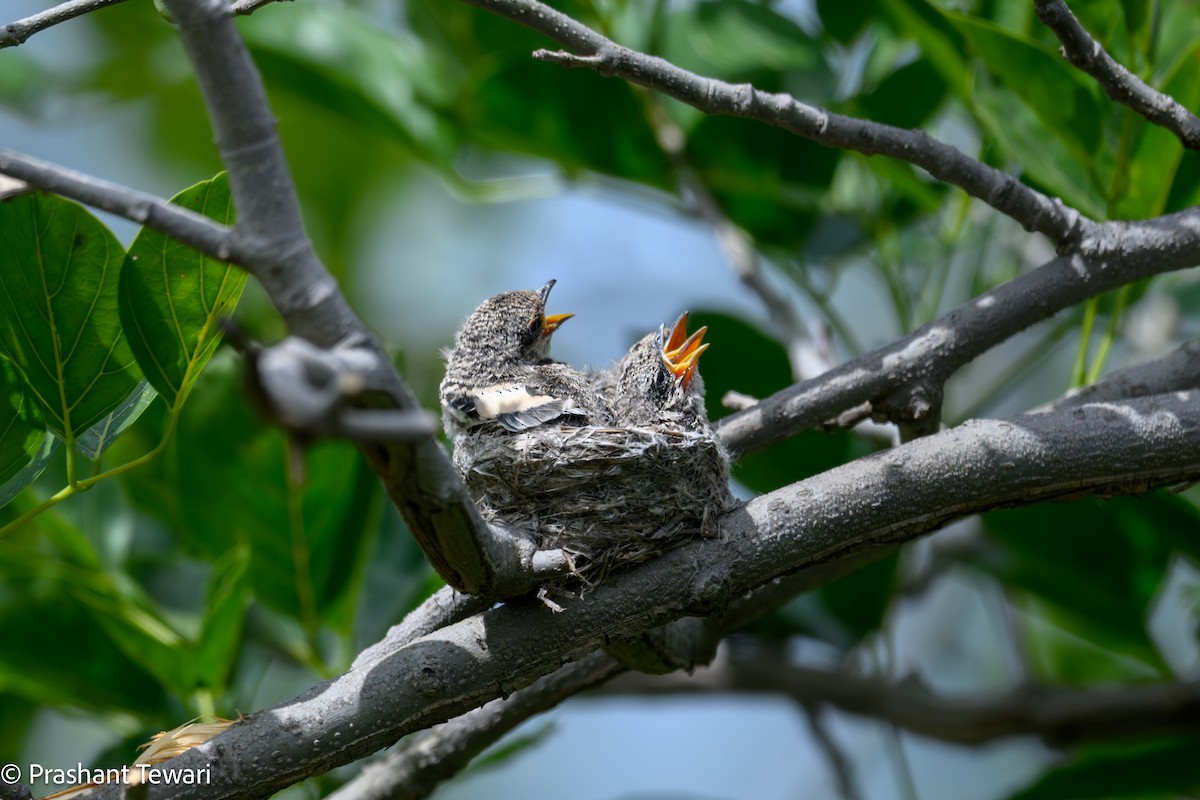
(414, 771)
(905, 378)
(1118, 82)
(1180, 370)
(187, 226)
(852, 510)
(1059, 716)
(1034, 210)
(15, 33)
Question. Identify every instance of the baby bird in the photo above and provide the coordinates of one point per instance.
(499, 374)
(657, 381)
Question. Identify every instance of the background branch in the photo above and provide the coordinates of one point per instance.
(1059, 716)
(1118, 82)
(1034, 210)
(15, 33)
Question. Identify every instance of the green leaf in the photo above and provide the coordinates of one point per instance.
(509, 111)
(844, 21)
(734, 39)
(907, 97)
(224, 613)
(1137, 19)
(1126, 769)
(172, 297)
(937, 38)
(1097, 564)
(1066, 101)
(21, 428)
(136, 627)
(63, 659)
(1031, 144)
(59, 268)
(768, 181)
(96, 439)
(385, 80)
(222, 450)
(30, 472)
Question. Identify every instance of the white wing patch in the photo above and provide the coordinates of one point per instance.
(506, 398)
(514, 408)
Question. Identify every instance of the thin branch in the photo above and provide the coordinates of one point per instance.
(1177, 371)
(187, 226)
(15, 33)
(1034, 210)
(905, 378)
(853, 510)
(1119, 83)
(1058, 716)
(839, 764)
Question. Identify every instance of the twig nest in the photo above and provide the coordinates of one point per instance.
(609, 496)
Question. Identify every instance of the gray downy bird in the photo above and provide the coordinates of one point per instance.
(499, 374)
(657, 382)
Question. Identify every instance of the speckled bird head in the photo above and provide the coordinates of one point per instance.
(512, 326)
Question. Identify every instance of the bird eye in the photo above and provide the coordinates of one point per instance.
(534, 330)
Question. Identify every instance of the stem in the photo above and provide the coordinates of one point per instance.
(1079, 369)
(49, 502)
(1110, 334)
(293, 465)
(74, 487)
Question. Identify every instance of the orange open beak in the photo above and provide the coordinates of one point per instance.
(550, 322)
(678, 334)
(681, 353)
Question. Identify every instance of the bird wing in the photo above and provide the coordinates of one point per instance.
(513, 406)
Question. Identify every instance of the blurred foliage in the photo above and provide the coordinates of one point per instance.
(189, 584)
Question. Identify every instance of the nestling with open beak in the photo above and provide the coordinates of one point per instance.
(499, 374)
(657, 382)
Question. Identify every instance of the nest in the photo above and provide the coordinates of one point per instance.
(608, 496)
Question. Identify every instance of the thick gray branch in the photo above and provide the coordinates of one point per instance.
(1035, 211)
(1118, 82)
(890, 497)
(906, 377)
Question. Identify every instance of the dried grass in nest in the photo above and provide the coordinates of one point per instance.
(608, 496)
